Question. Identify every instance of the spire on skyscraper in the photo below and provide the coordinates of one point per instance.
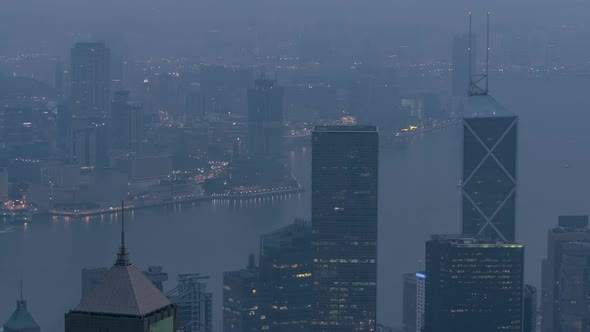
(123, 254)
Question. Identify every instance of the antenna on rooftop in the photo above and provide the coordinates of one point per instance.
(476, 80)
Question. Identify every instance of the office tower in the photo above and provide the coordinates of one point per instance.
(489, 169)
(473, 285)
(344, 227)
(569, 229)
(91, 277)
(285, 267)
(409, 302)
(21, 320)
(157, 276)
(529, 317)
(193, 302)
(243, 301)
(574, 287)
(124, 300)
(128, 125)
(91, 80)
(265, 119)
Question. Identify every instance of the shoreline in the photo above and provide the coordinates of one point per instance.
(143, 205)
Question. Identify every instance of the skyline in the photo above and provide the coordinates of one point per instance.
(218, 127)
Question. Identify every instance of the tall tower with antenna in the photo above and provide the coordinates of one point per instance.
(489, 160)
(124, 300)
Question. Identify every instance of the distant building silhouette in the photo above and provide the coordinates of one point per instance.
(265, 119)
(489, 169)
(124, 300)
(569, 229)
(473, 285)
(128, 123)
(344, 224)
(91, 79)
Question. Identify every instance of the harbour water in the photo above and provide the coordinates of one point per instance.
(418, 197)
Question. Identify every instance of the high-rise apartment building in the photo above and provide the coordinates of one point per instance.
(91, 79)
(344, 227)
(569, 229)
(473, 285)
(489, 169)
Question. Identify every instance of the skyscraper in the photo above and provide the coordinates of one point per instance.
(489, 169)
(243, 300)
(124, 300)
(91, 79)
(265, 119)
(574, 287)
(285, 267)
(344, 227)
(21, 320)
(569, 229)
(473, 285)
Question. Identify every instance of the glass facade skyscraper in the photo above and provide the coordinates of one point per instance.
(344, 227)
(489, 169)
(473, 285)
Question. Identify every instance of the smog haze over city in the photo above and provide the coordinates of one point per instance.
(294, 166)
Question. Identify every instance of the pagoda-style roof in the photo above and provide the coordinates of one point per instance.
(124, 290)
(21, 319)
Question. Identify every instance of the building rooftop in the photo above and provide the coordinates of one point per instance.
(345, 128)
(484, 107)
(21, 319)
(124, 290)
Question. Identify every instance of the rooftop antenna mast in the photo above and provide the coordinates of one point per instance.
(476, 80)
